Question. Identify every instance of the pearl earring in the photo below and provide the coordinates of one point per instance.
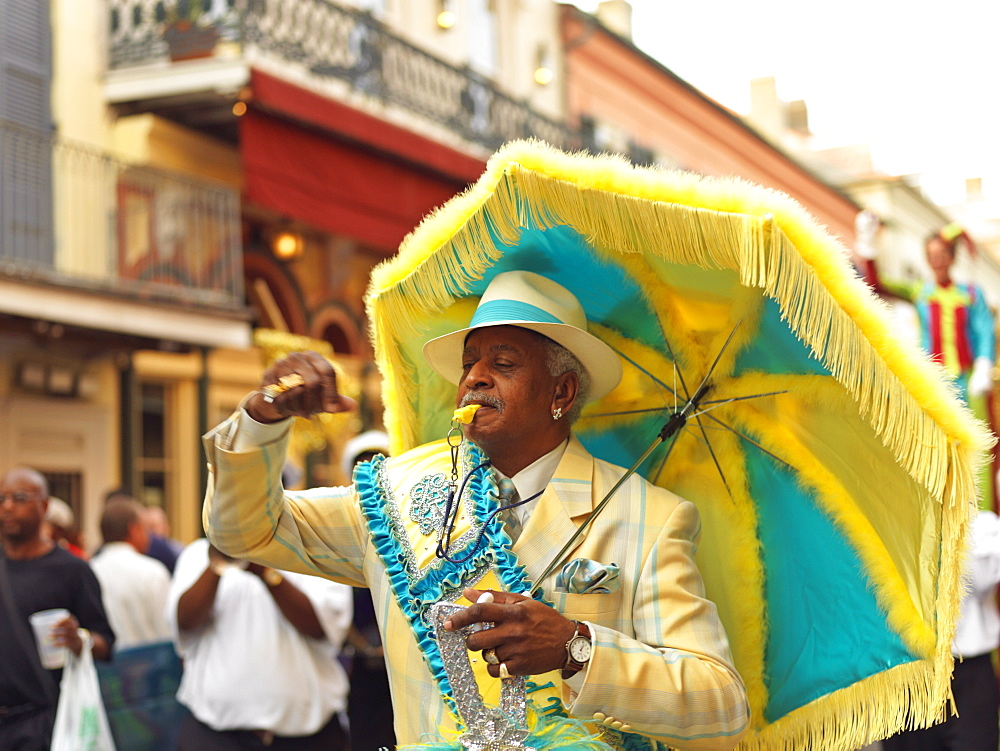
(557, 413)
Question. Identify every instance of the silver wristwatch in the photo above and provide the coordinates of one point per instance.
(578, 649)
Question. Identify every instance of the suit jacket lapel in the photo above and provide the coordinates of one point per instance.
(561, 509)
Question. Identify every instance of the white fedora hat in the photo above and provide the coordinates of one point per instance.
(531, 301)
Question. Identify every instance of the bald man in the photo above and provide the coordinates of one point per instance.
(38, 575)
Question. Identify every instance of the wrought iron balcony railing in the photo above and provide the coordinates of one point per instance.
(329, 42)
(74, 216)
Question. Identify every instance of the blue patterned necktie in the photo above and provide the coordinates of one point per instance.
(508, 495)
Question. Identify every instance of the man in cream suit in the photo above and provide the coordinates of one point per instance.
(622, 635)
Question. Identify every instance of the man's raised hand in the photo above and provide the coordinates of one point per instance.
(299, 385)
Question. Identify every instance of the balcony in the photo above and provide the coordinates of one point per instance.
(102, 235)
(340, 52)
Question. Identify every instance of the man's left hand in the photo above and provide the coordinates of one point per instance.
(528, 636)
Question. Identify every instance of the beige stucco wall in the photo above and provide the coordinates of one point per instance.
(79, 34)
(622, 89)
(55, 434)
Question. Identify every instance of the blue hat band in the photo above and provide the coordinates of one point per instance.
(496, 311)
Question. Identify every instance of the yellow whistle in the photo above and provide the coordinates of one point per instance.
(464, 415)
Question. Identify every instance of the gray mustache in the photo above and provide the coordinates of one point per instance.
(480, 397)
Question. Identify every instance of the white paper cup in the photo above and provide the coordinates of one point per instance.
(43, 622)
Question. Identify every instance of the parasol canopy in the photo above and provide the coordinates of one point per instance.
(832, 464)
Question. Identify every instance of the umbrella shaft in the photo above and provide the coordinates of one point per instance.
(662, 436)
(674, 424)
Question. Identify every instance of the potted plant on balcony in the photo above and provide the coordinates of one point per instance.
(189, 31)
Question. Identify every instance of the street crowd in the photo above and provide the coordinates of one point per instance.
(266, 655)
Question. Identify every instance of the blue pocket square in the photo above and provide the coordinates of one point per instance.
(582, 576)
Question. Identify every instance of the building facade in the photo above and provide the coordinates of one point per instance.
(210, 168)
(623, 100)
(213, 180)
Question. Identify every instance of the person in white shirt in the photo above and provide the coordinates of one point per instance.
(133, 586)
(977, 633)
(260, 654)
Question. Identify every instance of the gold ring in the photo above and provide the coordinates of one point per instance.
(285, 383)
(504, 673)
(490, 655)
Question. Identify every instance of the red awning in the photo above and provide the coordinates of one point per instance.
(321, 175)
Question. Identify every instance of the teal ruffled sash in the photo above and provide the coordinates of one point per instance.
(417, 589)
(416, 592)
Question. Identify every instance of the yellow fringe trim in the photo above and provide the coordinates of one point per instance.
(869, 710)
(770, 243)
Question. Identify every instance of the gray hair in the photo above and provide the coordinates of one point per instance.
(560, 360)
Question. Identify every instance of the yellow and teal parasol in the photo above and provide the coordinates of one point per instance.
(834, 507)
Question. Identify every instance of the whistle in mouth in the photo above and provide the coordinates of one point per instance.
(464, 415)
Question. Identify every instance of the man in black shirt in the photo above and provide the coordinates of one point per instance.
(38, 575)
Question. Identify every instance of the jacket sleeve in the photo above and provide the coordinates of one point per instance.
(247, 514)
(673, 680)
(904, 290)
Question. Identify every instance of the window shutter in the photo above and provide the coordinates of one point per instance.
(25, 63)
(26, 233)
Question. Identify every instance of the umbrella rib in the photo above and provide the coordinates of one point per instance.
(673, 359)
(714, 406)
(748, 440)
(711, 452)
(675, 369)
(716, 402)
(663, 462)
(699, 392)
(743, 398)
(718, 357)
(652, 377)
(630, 412)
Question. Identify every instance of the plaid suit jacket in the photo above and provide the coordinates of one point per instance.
(660, 664)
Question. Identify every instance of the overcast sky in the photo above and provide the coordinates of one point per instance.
(919, 81)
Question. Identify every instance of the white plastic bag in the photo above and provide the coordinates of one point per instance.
(81, 722)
